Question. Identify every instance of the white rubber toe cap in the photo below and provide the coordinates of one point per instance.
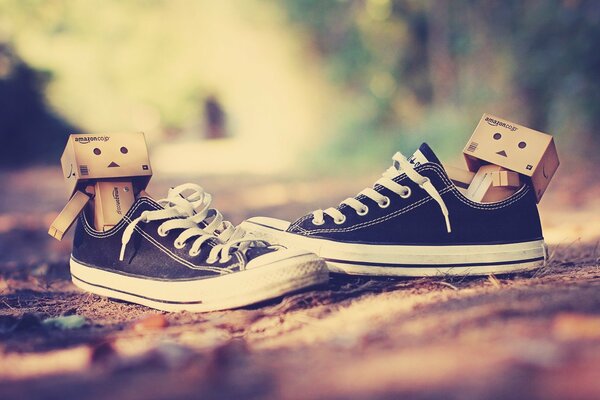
(286, 257)
(267, 222)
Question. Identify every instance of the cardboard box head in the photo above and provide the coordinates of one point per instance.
(105, 156)
(514, 147)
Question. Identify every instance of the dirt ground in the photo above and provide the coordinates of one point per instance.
(530, 336)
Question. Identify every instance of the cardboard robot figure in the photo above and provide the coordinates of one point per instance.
(110, 169)
(501, 155)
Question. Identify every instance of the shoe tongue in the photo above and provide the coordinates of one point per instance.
(424, 155)
(146, 203)
(142, 204)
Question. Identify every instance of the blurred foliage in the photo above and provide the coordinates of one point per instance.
(416, 67)
(29, 131)
(152, 66)
(398, 71)
(112, 61)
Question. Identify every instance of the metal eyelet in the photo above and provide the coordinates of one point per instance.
(424, 181)
(179, 245)
(340, 221)
(318, 223)
(385, 203)
(406, 193)
(161, 232)
(193, 253)
(363, 211)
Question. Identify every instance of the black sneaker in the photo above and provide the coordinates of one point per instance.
(178, 254)
(416, 222)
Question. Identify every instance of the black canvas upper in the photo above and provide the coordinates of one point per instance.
(417, 220)
(149, 255)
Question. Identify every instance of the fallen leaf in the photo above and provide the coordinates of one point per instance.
(65, 322)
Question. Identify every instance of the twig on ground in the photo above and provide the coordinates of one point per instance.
(465, 276)
(494, 281)
(551, 259)
(446, 284)
(7, 305)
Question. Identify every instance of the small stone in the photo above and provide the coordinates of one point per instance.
(65, 322)
(151, 323)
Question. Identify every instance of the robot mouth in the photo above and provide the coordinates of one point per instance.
(113, 165)
(502, 153)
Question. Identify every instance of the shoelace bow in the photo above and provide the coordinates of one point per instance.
(401, 165)
(189, 213)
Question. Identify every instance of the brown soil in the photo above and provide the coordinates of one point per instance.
(531, 336)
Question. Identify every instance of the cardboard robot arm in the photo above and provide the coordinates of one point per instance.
(489, 183)
(493, 183)
(68, 215)
(461, 177)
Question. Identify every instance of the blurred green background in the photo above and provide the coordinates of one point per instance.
(294, 85)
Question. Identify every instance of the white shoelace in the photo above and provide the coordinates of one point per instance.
(401, 165)
(186, 213)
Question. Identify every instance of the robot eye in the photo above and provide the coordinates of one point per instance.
(97, 151)
(522, 145)
(124, 150)
(497, 136)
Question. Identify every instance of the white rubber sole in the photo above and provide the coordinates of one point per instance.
(219, 293)
(410, 261)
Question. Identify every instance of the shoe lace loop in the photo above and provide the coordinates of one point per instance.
(401, 165)
(187, 208)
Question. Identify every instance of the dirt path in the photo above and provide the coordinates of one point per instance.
(532, 336)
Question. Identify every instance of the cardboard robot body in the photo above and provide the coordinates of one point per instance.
(514, 147)
(112, 200)
(490, 183)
